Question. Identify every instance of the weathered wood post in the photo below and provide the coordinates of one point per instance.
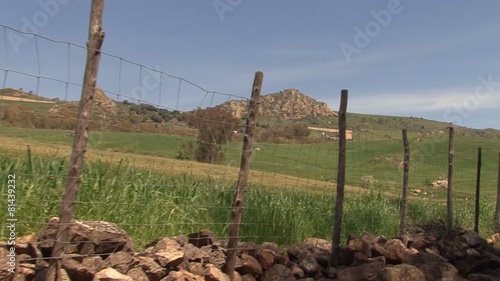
(239, 199)
(406, 169)
(94, 43)
(497, 208)
(339, 204)
(478, 184)
(449, 193)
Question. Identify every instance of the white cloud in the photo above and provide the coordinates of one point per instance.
(425, 101)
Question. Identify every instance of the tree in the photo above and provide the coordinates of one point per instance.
(215, 128)
(297, 131)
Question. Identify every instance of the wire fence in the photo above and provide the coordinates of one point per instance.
(148, 127)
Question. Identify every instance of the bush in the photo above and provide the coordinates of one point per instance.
(156, 118)
(21, 116)
(296, 131)
(209, 153)
(263, 135)
(186, 151)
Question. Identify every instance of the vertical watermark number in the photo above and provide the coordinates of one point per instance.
(11, 221)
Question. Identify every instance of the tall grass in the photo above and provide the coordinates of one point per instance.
(149, 205)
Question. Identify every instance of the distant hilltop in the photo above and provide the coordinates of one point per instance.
(287, 104)
(277, 111)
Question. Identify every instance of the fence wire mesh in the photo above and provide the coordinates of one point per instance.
(149, 127)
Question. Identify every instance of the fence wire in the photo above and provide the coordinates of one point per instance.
(146, 131)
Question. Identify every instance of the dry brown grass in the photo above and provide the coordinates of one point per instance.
(24, 99)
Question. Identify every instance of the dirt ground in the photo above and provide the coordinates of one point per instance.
(24, 99)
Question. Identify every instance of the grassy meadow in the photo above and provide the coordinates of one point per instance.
(132, 179)
(373, 157)
(150, 204)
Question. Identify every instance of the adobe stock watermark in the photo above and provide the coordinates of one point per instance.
(149, 82)
(482, 92)
(32, 25)
(485, 89)
(223, 6)
(363, 37)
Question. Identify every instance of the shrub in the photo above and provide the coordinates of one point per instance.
(296, 131)
(264, 135)
(21, 116)
(186, 151)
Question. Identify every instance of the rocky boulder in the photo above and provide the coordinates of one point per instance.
(87, 238)
(102, 251)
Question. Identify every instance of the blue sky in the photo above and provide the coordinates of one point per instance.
(433, 59)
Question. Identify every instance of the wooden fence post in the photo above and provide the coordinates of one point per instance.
(497, 208)
(239, 199)
(478, 184)
(406, 168)
(449, 193)
(339, 204)
(70, 194)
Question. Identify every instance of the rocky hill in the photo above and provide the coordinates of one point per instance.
(289, 104)
(278, 110)
(21, 109)
(104, 108)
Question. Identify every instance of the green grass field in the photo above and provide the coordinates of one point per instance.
(140, 199)
(149, 205)
(377, 154)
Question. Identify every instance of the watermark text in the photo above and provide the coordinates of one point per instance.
(363, 37)
(223, 6)
(32, 25)
(484, 90)
(11, 222)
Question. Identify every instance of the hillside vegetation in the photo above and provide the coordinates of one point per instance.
(108, 115)
(280, 116)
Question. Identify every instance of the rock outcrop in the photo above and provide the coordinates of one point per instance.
(104, 107)
(287, 104)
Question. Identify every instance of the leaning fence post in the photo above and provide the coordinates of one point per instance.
(497, 208)
(478, 183)
(239, 199)
(449, 193)
(339, 204)
(96, 37)
(406, 168)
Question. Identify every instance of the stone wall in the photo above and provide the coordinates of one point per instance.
(103, 251)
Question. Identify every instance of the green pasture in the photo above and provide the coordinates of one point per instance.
(373, 157)
(150, 205)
